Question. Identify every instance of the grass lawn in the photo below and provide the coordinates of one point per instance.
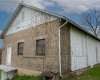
(91, 74)
(27, 78)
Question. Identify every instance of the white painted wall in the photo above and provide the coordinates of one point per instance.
(32, 19)
(85, 50)
(9, 52)
(5, 75)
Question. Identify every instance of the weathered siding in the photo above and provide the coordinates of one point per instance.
(65, 49)
(29, 60)
(84, 49)
(31, 18)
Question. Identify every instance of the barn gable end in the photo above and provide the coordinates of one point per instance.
(27, 18)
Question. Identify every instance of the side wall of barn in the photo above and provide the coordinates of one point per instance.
(85, 49)
(29, 63)
(65, 49)
(28, 26)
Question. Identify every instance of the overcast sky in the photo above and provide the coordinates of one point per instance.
(69, 8)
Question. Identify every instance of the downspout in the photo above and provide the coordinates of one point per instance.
(60, 49)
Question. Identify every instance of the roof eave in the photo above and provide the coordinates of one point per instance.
(16, 12)
(81, 28)
(54, 14)
(10, 21)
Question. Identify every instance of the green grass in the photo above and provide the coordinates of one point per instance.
(91, 74)
(27, 78)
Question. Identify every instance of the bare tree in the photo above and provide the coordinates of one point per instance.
(91, 20)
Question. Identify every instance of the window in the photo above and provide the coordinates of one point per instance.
(40, 47)
(20, 48)
(23, 15)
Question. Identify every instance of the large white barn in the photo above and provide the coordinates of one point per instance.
(65, 46)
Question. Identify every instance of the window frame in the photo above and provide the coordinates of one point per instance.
(40, 54)
(18, 48)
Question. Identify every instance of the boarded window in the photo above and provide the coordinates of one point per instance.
(20, 48)
(40, 47)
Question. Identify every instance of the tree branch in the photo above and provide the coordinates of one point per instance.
(92, 20)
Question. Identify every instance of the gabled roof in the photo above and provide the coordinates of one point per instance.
(51, 13)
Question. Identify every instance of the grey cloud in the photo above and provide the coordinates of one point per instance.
(77, 6)
(69, 6)
(10, 5)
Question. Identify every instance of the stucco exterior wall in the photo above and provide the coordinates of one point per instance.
(65, 49)
(29, 60)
